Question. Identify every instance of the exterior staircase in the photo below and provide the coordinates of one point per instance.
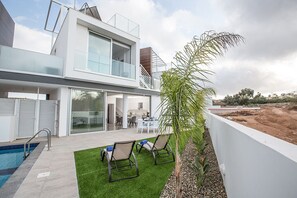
(145, 79)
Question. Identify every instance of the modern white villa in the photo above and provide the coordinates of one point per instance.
(96, 80)
(92, 81)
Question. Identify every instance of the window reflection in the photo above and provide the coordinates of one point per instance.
(99, 54)
(87, 114)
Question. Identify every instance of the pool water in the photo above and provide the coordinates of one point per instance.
(11, 157)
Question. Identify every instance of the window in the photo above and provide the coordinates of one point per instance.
(107, 56)
(87, 113)
(121, 59)
(99, 54)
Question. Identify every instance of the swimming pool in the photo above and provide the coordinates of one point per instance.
(11, 157)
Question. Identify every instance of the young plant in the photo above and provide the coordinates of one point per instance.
(181, 84)
(202, 167)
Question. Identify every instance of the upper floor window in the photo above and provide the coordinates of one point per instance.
(121, 59)
(106, 56)
(99, 54)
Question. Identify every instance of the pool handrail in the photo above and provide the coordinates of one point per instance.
(49, 135)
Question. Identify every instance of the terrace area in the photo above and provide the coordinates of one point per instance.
(54, 172)
(243, 154)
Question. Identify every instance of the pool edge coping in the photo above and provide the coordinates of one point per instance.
(11, 186)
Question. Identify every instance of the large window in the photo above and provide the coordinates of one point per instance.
(121, 60)
(107, 56)
(87, 114)
(99, 54)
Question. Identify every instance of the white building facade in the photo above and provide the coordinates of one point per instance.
(90, 82)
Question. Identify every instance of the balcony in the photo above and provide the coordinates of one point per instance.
(122, 69)
(104, 65)
(125, 24)
(23, 61)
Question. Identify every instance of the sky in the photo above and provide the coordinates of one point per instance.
(266, 62)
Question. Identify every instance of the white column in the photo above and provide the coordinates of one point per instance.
(17, 117)
(105, 111)
(37, 112)
(64, 117)
(125, 111)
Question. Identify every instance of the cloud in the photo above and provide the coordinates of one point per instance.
(20, 19)
(267, 62)
(266, 77)
(263, 63)
(166, 32)
(270, 27)
(31, 39)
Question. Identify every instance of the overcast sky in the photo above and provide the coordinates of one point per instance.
(266, 62)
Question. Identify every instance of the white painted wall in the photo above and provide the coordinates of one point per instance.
(81, 47)
(155, 102)
(14, 118)
(7, 128)
(134, 100)
(253, 163)
(72, 43)
(60, 47)
(64, 113)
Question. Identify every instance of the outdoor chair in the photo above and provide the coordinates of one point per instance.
(154, 125)
(119, 120)
(156, 148)
(140, 125)
(116, 155)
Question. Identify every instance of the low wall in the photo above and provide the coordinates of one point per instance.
(252, 163)
(7, 128)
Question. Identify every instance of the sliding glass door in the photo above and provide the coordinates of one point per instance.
(87, 112)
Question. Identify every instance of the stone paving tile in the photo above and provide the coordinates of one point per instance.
(30, 189)
(28, 194)
(59, 161)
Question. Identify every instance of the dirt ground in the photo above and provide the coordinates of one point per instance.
(276, 120)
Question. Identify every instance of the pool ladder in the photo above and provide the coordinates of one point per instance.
(49, 135)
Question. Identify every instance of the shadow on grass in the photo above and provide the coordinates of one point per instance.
(92, 176)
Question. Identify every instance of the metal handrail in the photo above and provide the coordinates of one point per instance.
(49, 135)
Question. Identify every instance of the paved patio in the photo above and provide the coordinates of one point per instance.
(59, 162)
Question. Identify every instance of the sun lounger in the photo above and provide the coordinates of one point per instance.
(156, 148)
(116, 154)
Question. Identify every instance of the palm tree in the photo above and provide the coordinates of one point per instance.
(183, 85)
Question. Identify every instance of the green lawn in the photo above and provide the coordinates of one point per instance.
(92, 176)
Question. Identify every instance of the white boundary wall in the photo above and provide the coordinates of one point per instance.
(18, 120)
(253, 164)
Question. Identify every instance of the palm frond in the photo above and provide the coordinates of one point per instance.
(182, 87)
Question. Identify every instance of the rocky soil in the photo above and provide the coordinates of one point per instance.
(213, 185)
(276, 120)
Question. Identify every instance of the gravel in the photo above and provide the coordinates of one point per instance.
(213, 184)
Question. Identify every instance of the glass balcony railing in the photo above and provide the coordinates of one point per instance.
(12, 59)
(101, 65)
(122, 69)
(122, 23)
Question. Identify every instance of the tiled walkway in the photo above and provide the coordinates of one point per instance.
(59, 162)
